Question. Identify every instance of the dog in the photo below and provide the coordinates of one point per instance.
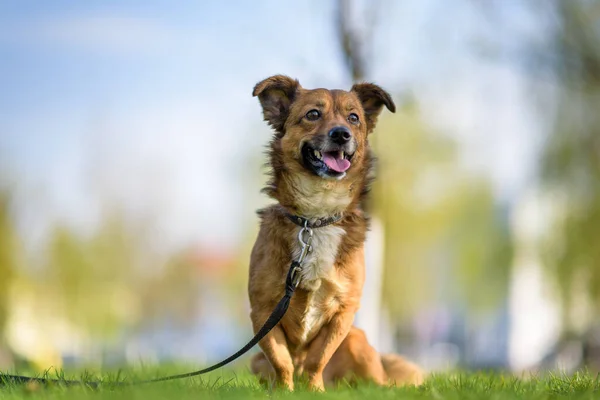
(321, 167)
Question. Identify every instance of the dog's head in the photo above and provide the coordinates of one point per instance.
(321, 135)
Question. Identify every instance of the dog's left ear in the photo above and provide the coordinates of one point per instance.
(373, 98)
(276, 95)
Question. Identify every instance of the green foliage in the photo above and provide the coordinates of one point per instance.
(9, 254)
(107, 282)
(90, 278)
(443, 234)
(172, 291)
(571, 157)
(481, 246)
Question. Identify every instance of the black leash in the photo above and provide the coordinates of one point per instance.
(291, 283)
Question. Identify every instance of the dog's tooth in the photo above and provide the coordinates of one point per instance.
(318, 154)
(341, 154)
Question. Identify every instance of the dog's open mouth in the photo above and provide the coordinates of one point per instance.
(333, 163)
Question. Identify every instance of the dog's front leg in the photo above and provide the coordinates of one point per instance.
(324, 345)
(274, 345)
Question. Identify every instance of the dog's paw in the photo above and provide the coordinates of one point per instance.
(315, 384)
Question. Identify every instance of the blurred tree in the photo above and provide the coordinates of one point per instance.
(107, 282)
(93, 276)
(356, 42)
(173, 293)
(569, 57)
(444, 235)
(571, 157)
(6, 257)
(441, 225)
(9, 249)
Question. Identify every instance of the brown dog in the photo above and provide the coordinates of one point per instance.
(321, 168)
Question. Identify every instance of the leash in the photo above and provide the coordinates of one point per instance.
(292, 281)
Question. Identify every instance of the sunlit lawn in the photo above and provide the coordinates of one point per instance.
(227, 384)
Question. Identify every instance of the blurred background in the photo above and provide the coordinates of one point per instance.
(131, 159)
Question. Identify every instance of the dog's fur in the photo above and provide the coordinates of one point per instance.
(316, 337)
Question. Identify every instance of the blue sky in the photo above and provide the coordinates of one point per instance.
(149, 102)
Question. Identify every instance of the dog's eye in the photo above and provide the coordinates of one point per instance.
(313, 115)
(353, 119)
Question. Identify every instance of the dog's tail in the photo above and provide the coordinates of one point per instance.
(401, 371)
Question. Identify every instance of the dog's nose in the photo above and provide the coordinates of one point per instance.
(340, 135)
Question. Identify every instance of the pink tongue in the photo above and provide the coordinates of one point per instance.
(336, 164)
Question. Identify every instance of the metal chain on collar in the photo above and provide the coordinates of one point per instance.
(305, 236)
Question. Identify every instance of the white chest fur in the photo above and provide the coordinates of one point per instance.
(318, 264)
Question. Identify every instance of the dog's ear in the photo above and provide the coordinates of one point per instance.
(276, 95)
(373, 98)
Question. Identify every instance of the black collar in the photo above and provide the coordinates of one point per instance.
(319, 223)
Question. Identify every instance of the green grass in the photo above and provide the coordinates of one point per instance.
(230, 385)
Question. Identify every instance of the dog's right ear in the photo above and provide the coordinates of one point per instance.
(276, 95)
